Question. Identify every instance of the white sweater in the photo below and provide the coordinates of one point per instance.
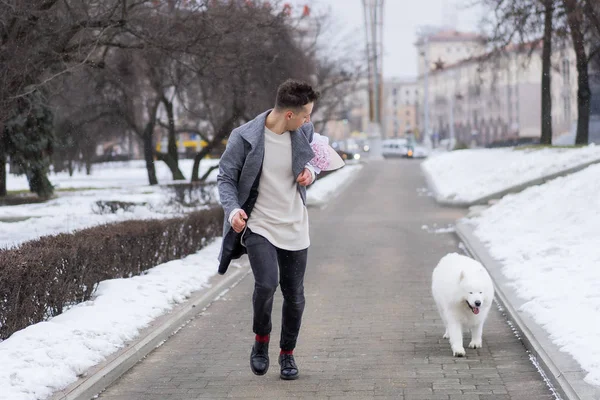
(279, 213)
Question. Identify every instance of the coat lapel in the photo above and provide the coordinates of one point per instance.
(255, 136)
(301, 151)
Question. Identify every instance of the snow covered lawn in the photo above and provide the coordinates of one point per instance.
(48, 356)
(123, 181)
(468, 175)
(114, 174)
(547, 238)
(126, 182)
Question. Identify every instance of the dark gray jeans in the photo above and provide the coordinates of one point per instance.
(266, 261)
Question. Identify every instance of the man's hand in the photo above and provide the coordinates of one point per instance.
(238, 222)
(305, 178)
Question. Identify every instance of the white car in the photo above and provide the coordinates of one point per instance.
(417, 152)
(391, 148)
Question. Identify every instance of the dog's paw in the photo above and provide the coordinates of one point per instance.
(460, 352)
(475, 344)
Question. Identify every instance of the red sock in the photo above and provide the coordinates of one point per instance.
(287, 352)
(262, 338)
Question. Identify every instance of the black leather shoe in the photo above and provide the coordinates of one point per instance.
(259, 358)
(289, 370)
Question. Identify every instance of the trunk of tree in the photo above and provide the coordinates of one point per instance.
(199, 156)
(546, 74)
(575, 20)
(147, 135)
(40, 184)
(88, 155)
(172, 159)
(3, 160)
(149, 154)
(70, 167)
(172, 164)
(225, 130)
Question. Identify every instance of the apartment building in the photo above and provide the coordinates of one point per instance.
(487, 98)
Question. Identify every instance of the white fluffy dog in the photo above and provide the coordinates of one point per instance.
(463, 292)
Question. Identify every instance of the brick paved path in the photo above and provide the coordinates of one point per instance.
(370, 330)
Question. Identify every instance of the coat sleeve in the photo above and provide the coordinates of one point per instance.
(230, 168)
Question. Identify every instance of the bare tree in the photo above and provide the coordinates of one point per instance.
(338, 77)
(577, 21)
(43, 40)
(339, 67)
(525, 24)
(83, 119)
(160, 75)
(136, 83)
(255, 52)
(210, 65)
(125, 84)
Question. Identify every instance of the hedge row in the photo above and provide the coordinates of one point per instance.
(41, 278)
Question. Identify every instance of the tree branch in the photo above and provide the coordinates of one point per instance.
(204, 177)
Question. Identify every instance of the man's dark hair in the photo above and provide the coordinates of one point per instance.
(295, 94)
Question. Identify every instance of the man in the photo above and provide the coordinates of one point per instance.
(262, 181)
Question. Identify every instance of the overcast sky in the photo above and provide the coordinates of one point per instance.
(401, 21)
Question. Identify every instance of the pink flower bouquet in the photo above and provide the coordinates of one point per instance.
(326, 158)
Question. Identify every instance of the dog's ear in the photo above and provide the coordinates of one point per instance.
(462, 276)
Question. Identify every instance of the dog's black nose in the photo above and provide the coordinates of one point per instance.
(477, 303)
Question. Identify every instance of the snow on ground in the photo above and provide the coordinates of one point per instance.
(114, 174)
(546, 237)
(123, 181)
(48, 356)
(126, 182)
(467, 175)
(325, 188)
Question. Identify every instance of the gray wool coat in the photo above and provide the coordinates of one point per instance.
(242, 160)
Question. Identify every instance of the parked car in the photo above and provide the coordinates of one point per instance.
(417, 151)
(393, 148)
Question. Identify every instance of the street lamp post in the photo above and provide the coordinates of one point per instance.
(451, 103)
(373, 13)
(426, 133)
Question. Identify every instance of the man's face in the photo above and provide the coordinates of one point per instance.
(295, 120)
